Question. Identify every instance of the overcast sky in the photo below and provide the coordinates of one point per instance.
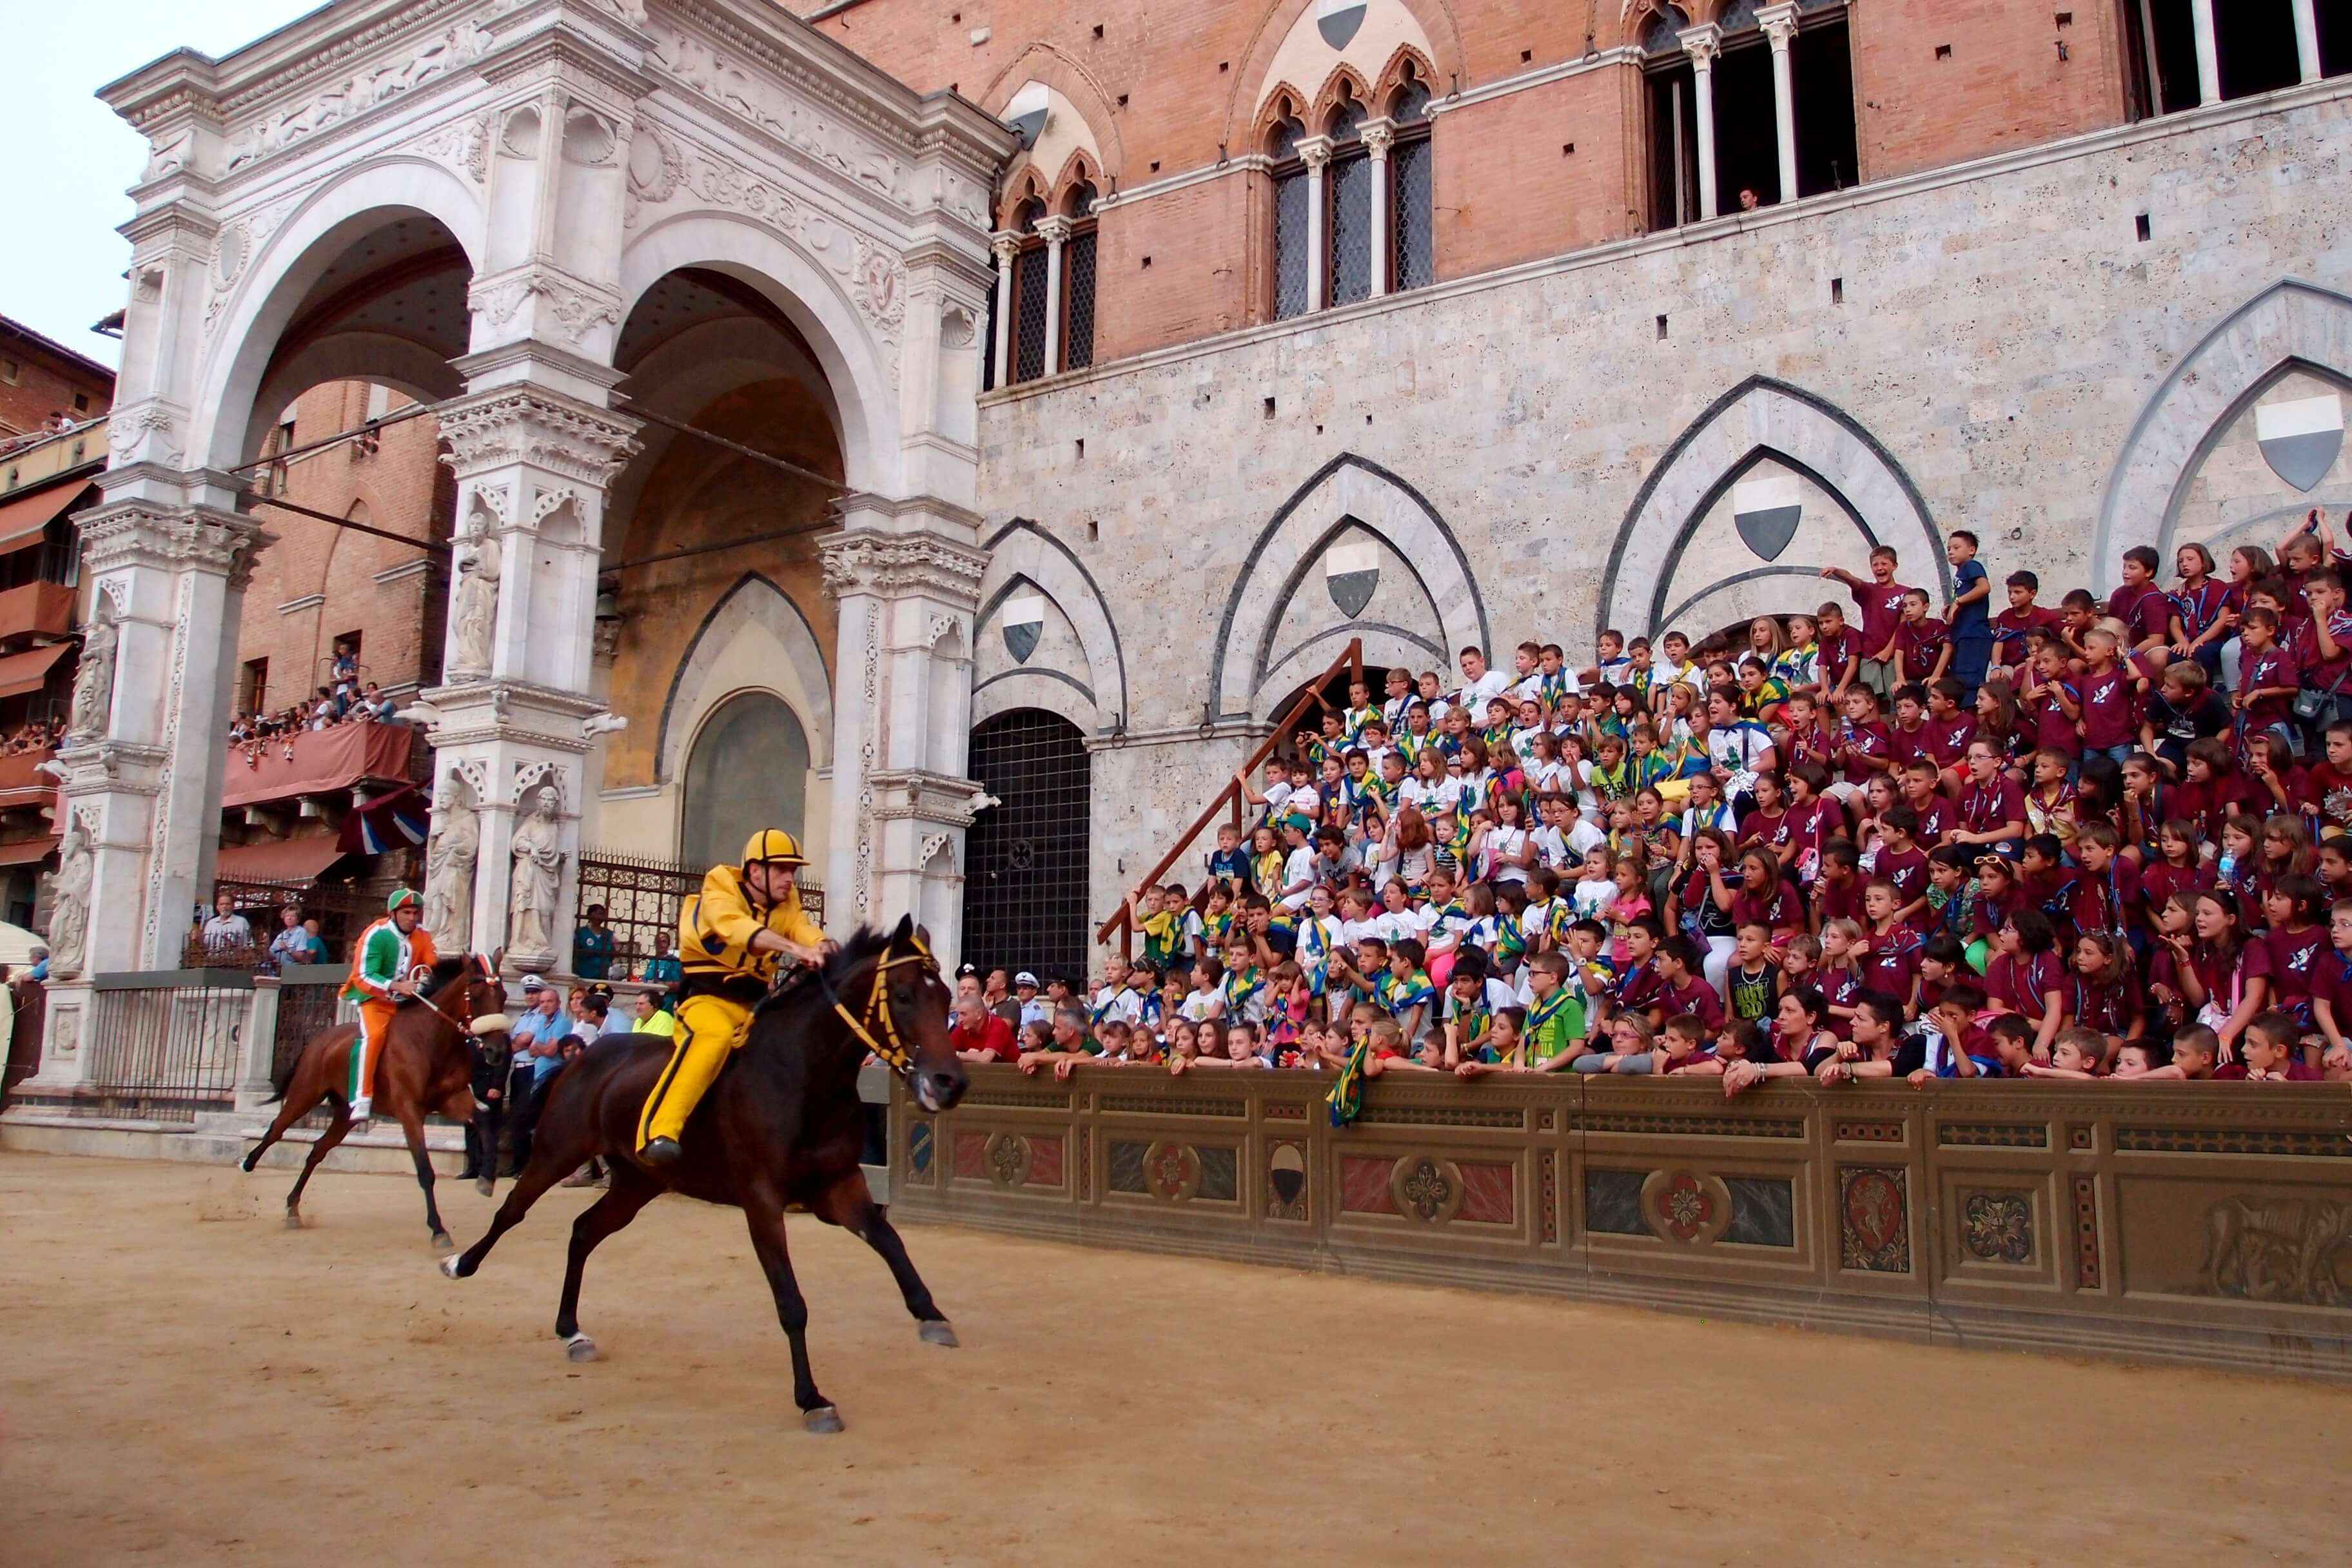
(70, 159)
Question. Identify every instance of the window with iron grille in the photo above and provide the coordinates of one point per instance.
(1412, 261)
(1025, 868)
(1029, 314)
(1352, 229)
(1292, 235)
(1078, 301)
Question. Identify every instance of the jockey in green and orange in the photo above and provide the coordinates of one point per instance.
(384, 958)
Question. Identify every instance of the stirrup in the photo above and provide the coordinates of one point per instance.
(661, 1152)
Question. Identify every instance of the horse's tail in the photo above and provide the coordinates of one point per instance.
(281, 1077)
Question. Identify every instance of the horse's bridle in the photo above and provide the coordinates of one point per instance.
(464, 1025)
(890, 1048)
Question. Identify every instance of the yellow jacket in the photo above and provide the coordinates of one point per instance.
(715, 929)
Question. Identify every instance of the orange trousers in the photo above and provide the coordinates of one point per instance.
(376, 1023)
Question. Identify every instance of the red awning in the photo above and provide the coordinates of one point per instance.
(23, 672)
(278, 860)
(24, 520)
(317, 761)
(29, 851)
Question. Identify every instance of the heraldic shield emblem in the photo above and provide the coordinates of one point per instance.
(1351, 572)
(1024, 618)
(1766, 512)
(2300, 440)
(1338, 21)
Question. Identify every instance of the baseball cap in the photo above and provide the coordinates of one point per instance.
(1025, 978)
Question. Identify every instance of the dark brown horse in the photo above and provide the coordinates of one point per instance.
(782, 1127)
(426, 1066)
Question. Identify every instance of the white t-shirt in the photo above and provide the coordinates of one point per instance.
(1123, 1004)
(1351, 932)
(1298, 868)
(1476, 693)
(1502, 841)
(1593, 899)
(1198, 1004)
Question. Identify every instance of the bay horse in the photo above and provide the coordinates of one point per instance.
(426, 1066)
(781, 1127)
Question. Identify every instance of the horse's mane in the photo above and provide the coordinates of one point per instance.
(445, 971)
(865, 943)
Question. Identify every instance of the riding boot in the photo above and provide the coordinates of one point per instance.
(361, 1109)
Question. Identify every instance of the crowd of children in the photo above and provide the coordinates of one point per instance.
(2103, 840)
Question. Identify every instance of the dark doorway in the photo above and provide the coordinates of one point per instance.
(2256, 40)
(1674, 147)
(1820, 67)
(1025, 893)
(1746, 127)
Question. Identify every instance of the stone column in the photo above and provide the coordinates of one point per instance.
(2208, 52)
(1006, 246)
(1057, 233)
(143, 756)
(1316, 153)
(1703, 43)
(905, 575)
(2306, 39)
(534, 451)
(1378, 136)
(259, 1048)
(1779, 24)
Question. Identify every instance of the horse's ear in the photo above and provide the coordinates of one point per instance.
(905, 929)
(498, 962)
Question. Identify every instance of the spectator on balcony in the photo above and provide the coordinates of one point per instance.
(227, 930)
(662, 968)
(592, 947)
(295, 943)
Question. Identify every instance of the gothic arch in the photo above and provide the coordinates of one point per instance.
(1022, 553)
(1761, 417)
(2291, 325)
(1349, 491)
(1251, 78)
(1044, 63)
(752, 602)
(857, 360)
(272, 281)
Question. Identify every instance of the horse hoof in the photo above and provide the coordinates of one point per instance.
(246, 1164)
(936, 1333)
(448, 1266)
(580, 1347)
(823, 1420)
(293, 1220)
(484, 1186)
(441, 1242)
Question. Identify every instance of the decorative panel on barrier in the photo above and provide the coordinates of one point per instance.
(2211, 1224)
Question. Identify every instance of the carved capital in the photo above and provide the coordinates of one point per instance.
(1779, 24)
(1379, 135)
(136, 533)
(1055, 230)
(534, 425)
(887, 565)
(1702, 43)
(1006, 244)
(1314, 150)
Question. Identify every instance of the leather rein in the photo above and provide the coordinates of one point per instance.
(889, 1047)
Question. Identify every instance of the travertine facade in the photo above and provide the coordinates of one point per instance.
(2005, 358)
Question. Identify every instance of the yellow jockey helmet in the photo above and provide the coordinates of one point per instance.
(775, 846)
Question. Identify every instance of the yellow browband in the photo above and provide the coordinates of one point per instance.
(877, 1009)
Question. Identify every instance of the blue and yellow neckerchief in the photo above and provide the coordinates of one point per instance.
(1414, 991)
(1346, 1097)
(1510, 937)
(1265, 870)
(1352, 722)
(1552, 689)
(1413, 745)
(1239, 987)
(1314, 954)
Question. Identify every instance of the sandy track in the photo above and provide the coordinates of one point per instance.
(182, 1381)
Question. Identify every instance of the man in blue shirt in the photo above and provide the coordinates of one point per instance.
(662, 968)
(1968, 615)
(539, 1036)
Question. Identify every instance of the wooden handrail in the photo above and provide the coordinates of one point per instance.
(1123, 921)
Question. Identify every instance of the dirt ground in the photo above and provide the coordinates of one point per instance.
(184, 1381)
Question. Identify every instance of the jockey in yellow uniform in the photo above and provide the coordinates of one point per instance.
(729, 938)
(385, 955)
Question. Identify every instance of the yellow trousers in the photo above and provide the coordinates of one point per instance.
(709, 1030)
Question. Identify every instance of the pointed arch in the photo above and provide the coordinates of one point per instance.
(1265, 60)
(753, 603)
(1327, 99)
(1047, 64)
(2291, 325)
(1757, 419)
(1349, 491)
(1022, 554)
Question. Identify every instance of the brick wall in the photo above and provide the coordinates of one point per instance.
(1181, 82)
(40, 385)
(2004, 85)
(401, 486)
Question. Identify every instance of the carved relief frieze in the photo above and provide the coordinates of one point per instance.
(370, 88)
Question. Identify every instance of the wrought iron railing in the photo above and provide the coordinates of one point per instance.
(164, 1045)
